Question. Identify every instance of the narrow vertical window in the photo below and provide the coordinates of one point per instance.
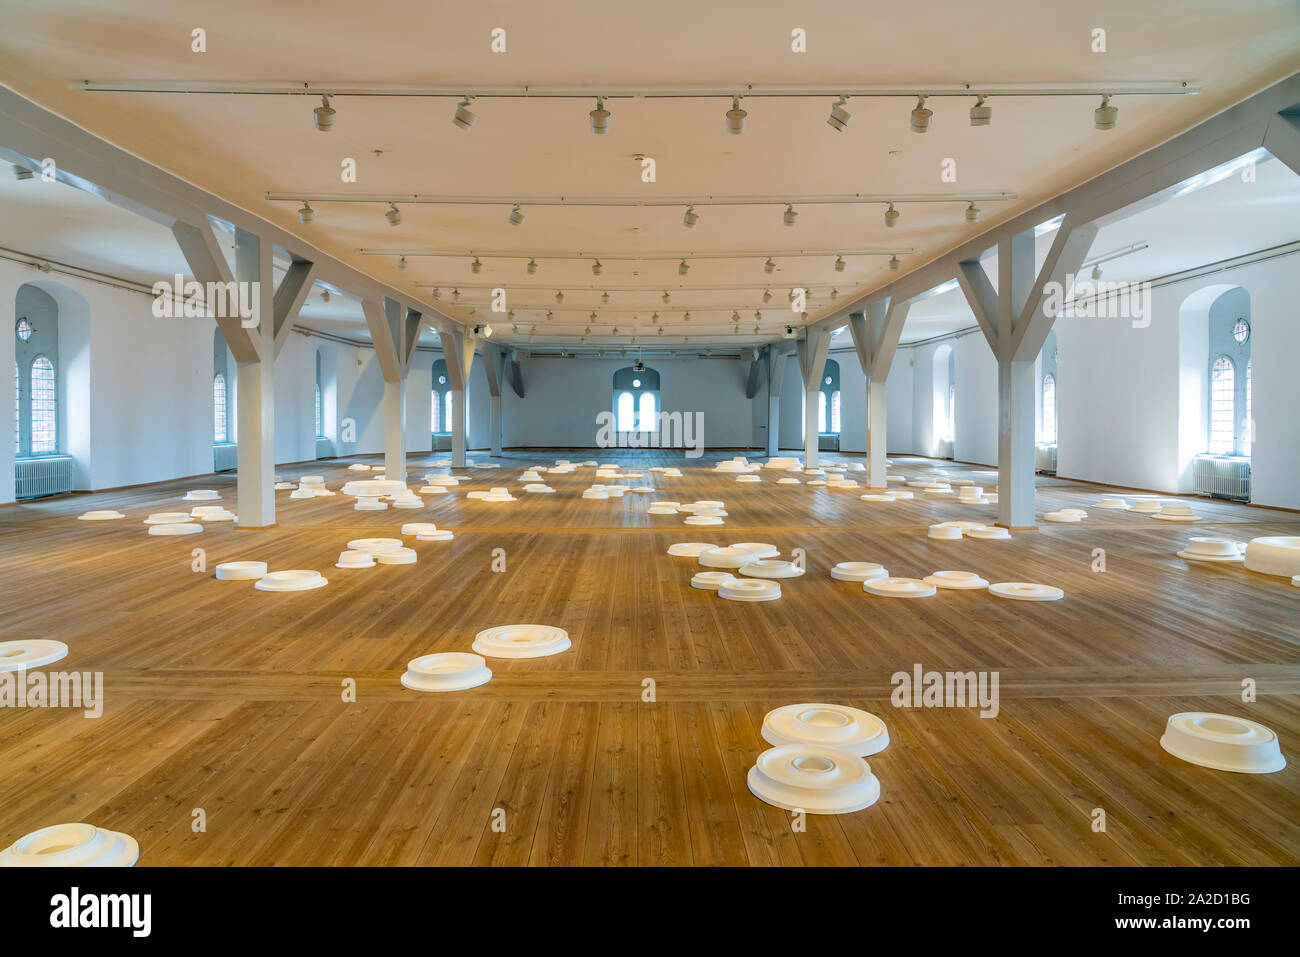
(1049, 410)
(626, 412)
(835, 411)
(1222, 410)
(219, 408)
(44, 413)
(450, 410)
(434, 416)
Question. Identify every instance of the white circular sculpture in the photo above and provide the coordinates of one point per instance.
(167, 518)
(375, 545)
(446, 671)
(711, 581)
(72, 845)
(100, 515)
(409, 501)
(355, 559)
(521, 641)
(902, 494)
(1026, 591)
(729, 556)
(826, 725)
(758, 549)
(202, 495)
(643, 489)
(596, 493)
(177, 528)
(240, 571)
(530, 476)
(441, 535)
(211, 513)
(302, 493)
(298, 579)
(475, 495)
(877, 497)
(816, 483)
(418, 528)
(944, 533)
(771, 568)
(898, 588)
(358, 467)
(374, 488)
(858, 571)
(30, 653)
(283, 486)
(688, 549)
(748, 478)
(1212, 550)
(660, 510)
(813, 778)
(672, 506)
(703, 520)
(788, 481)
(1175, 512)
(432, 490)
(970, 493)
(710, 503)
(442, 481)
(1062, 516)
(781, 463)
(1113, 503)
(1148, 506)
(959, 580)
(312, 480)
(672, 473)
(498, 495)
(366, 504)
(1223, 742)
(615, 491)
(988, 532)
(1274, 555)
(749, 589)
(397, 556)
(537, 488)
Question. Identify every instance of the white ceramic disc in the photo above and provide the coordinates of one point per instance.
(960, 580)
(374, 545)
(298, 579)
(1274, 555)
(370, 505)
(711, 580)
(758, 549)
(167, 518)
(788, 481)
(1113, 503)
(877, 497)
(101, 515)
(446, 671)
(750, 589)
(441, 535)
(989, 532)
(201, 495)
(354, 559)
(180, 528)
(418, 528)
(397, 556)
(521, 641)
(703, 520)
(857, 571)
(813, 778)
(72, 845)
(241, 571)
(944, 533)
(826, 725)
(1223, 742)
(1026, 591)
(30, 653)
(898, 588)
(689, 549)
(730, 556)
(771, 568)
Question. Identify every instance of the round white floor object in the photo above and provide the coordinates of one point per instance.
(100, 515)
(240, 571)
(1148, 506)
(643, 490)
(442, 481)
(72, 845)
(673, 473)
(167, 518)
(355, 559)
(788, 481)
(1026, 591)
(202, 495)
(312, 480)
(536, 488)
(858, 571)
(367, 504)
(408, 501)
(375, 545)
(711, 581)
(749, 589)
(729, 556)
(530, 476)
(944, 533)
(1274, 555)
(660, 510)
(432, 490)
(898, 588)
(446, 671)
(283, 486)
(710, 503)
(1175, 512)
(522, 641)
(688, 549)
(781, 463)
(826, 725)
(959, 580)
(748, 478)
(475, 495)
(1212, 550)
(813, 778)
(816, 483)
(1113, 503)
(358, 467)
(596, 493)
(211, 513)
(989, 532)
(302, 493)
(418, 528)
(758, 549)
(298, 579)
(670, 505)
(30, 653)
(374, 488)
(178, 528)
(1063, 517)
(703, 520)
(877, 497)
(441, 535)
(397, 556)
(771, 568)
(1223, 742)
(615, 491)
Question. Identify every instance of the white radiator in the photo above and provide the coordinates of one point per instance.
(943, 448)
(225, 457)
(324, 447)
(42, 475)
(1222, 476)
(1045, 459)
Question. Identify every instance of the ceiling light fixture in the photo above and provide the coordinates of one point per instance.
(1105, 115)
(839, 264)
(324, 115)
(921, 116)
(325, 295)
(769, 267)
(476, 267)
(597, 268)
(455, 295)
(686, 317)
(767, 295)
(736, 117)
(463, 117)
(667, 298)
(305, 215)
(599, 117)
(559, 297)
(980, 115)
(690, 218)
(683, 268)
(604, 297)
(516, 217)
(894, 263)
(394, 215)
(532, 267)
(891, 216)
(839, 117)
(1096, 273)
(790, 217)
(401, 262)
(972, 213)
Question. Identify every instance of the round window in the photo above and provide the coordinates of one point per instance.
(24, 329)
(1241, 331)
(636, 383)
(828, 380)
(442, 380)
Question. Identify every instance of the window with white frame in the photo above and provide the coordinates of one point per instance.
(219, 408)
(1048, 429)
(45, 433)
(1223, 394)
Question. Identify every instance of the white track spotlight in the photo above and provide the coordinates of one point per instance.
(455, 295)
(686, 317)
(604, 297)
(839, 117)
(597, 268)
(306, 214)
(690, 218)
(532, 267)
(767, 295)
(790, 217)
(758, 317)
(559, 297)
(516, 217)
(972, 213)
(1096, 273)
(683, 268)
(394, 215)
(736, 117)
(980, 115)
(325, 295)
(463, 117)
(324, 115)
(839, 264)
(894, 263)
(1104, 116)
(769, 267)
(401, 262)
(666, 298)
(835, 294)
(891, 216)
(599, 117)
(921, 116)
(22, 173)
(476, 267)
(435, 293)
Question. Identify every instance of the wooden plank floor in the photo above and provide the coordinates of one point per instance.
(227, 699)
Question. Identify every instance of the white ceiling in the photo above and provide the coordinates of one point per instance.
(241, 147)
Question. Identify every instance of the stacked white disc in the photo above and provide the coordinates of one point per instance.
(211, 513)
(898, 588)
(688, 549)
(711, 581)
(730, 556)
(534, 488)
(354, 559)
(878, 497)
(30, 653)
(596, 492)
(1223, 742)
(366, 503)
(1147, 506)
(446, 671)
(944, 533)
(374, 488)
(521, 641)
(201, 495)
(957, 580)
(72, 845)
(293, 580)
(781, 463)
(749, 589)
(442, 481)
(282, 486)
(1274, 555)
(441, 535)
(858, 571)
(1213, 550)
(1026, 591)
(1113, 503)
(530, 476)
(358, 467)
(1176, 512)
(771, 568)
(375, 545)
(1063, 515)
(813, 778)
(787, 480)
(498, 495)
(179, 528)
(826, 725)
(758, 549)
(397, 556)
(970, 495)
(167, 518)
(407, 499)
(989, 532)
(100, 515)
(748, 478)
(241, 571)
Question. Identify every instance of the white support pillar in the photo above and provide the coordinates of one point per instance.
(255, 381)
(776, 356)
(395, 430)
(1016, 443)
(875, 335)
(494, 359)
(394, 333)
(812, 351)
(877, 426)
(458, 350)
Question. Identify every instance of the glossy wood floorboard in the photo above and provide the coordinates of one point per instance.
(223, 698)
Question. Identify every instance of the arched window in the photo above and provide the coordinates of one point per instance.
(828, 399)
(1049, 410)
(835, 411)
(1223, 388)
(821, 411)
(18, 415)
(1249, 440)
(440, 405)
(44, 413)
(320, 401)
(952, 412)
(647, 414)
(449, 410)
(626, 412)
(435, 403)
(219, 407)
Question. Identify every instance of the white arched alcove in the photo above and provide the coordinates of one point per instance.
(73, 376)
(943, 415)
(1193, 375)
